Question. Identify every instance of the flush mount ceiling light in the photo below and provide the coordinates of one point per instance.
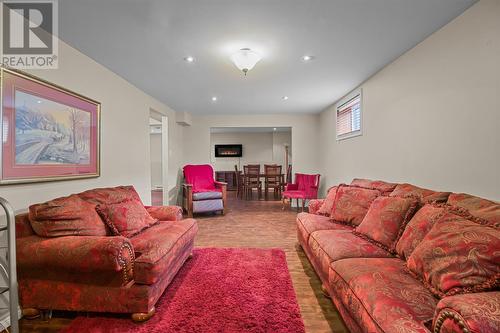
(245, 59)
(189, 59)
(214, 99)
(307, 58)
(284, 98)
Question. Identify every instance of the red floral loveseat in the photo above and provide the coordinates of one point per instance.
(101, 251)
(399, 258)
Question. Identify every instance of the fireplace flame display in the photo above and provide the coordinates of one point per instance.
(228, 150)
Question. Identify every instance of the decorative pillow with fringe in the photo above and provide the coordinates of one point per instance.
(351, 204)
(326, 207)
(425, 195)
(416, 229)
(458, 256)
(126, 218)
(384, 187)
(386, 220)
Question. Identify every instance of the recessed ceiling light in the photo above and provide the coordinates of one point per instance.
(284, 98)
(189, 59)
(274, 129)
(39, 102)
(214, 98)
(307, 58)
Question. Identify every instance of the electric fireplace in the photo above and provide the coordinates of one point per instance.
(228, 150)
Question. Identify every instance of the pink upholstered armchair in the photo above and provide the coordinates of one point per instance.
(202, 193)
(304, 188)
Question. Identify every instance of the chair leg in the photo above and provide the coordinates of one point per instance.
(303, 204)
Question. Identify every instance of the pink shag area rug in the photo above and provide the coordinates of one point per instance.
(221, 290)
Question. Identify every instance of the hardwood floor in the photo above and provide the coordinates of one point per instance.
(251, 224)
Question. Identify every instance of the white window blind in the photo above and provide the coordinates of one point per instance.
(349, 117)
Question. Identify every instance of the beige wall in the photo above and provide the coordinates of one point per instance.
(156, 160)
(258, 148)
(125, 135)
(197, 148)
(432, 117)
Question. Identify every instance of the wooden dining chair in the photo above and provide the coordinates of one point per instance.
(272, 180)
(238, 177)
(251, 180)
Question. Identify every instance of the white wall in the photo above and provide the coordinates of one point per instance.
(432, 117)
(258, 148)
(125, 153)
(197, 148)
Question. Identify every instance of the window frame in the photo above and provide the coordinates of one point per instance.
(344, 100)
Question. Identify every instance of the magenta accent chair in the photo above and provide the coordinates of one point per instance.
(202, 193)
(304, 188)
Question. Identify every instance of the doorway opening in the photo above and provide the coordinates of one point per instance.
(158, 144)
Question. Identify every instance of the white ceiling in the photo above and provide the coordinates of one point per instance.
(145, 42)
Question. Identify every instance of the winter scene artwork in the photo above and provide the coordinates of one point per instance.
(48, 132)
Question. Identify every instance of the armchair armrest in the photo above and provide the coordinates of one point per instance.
(223, 187)
(291, 187)
(83, 254)
(187, 200)
(165, 213)
(314, 205)
(477, 312)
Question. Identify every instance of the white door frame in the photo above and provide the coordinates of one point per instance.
(164, 152)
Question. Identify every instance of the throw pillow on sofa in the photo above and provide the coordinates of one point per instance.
(110, 195)
(351, 204)
(126, 218)
(385, 220)
(425, 195)
(384, 187)
(66, 216)
(419, 225)
(479, 207)
(458, 256)
(326, 207)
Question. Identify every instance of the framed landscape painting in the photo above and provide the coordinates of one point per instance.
(48, 132)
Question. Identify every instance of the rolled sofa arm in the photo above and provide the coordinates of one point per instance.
(165, 213)
(314, 205)
(82, 254)
(467, 313)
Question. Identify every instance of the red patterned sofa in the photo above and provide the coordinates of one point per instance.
(399, 258)
(100, 251)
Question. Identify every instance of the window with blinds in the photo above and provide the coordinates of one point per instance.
(349, 116)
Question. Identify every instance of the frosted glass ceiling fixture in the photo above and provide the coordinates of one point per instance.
(245, 59)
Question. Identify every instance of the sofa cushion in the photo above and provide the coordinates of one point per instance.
(332, 245)
(417, 228)
(479, 207)
(165, 213)
(309, 223)
(458, 256)
(126, 218)
(383, 187)
(386, 220)
(204, 206)
(67, 216)
(382, 295)
(207, 195)
(326, 207)
(156, 247)
(110, 195)
(351, 204)
(425, 195)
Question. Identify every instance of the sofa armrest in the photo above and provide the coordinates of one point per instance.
(291, 187)
(84, 254)
(477, 312)
(165, 213)
(314, 205)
